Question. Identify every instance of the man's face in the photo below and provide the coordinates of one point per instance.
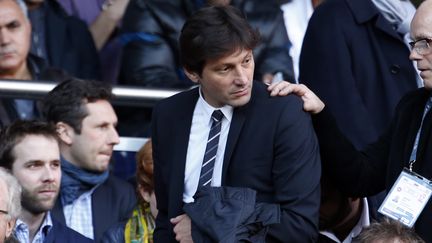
(421, 27)
(14, 37)
(228, 80)
(334, 208)
(37, 169)
(92, 148)
(6, 225)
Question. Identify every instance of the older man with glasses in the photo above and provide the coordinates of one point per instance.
(400, 161)
(10, 204)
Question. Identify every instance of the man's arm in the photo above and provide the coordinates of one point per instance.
(296, 176)
(163, 231)
(362, 176)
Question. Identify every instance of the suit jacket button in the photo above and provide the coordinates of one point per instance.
(394, 69)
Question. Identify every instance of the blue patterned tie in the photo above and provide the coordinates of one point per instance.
(211, 149)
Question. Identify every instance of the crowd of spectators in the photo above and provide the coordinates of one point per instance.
(358, 57)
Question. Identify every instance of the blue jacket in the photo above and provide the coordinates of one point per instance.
(63, 234)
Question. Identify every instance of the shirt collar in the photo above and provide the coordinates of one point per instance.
(22, 228)
(227, 110)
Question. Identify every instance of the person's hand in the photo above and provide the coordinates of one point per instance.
(267, 78)
(182, 228)
(311, 102)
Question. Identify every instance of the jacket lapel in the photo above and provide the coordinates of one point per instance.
(181, 131)
(364, 11)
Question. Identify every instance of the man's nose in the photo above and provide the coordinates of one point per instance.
(113, 137)
(4, 37)
(240, 76)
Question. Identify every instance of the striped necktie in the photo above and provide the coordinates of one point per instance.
(211, 149)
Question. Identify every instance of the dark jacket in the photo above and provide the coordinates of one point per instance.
(358, 64)
(229, 215)
(69, 43)
(275, 154)
(378, 166)
(39, 70)
(62, 234)
(112, 202)
(151, 30)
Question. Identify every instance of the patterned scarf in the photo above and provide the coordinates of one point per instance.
(140, 227)
(76, 181)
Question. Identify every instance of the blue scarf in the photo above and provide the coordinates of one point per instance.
(76, 181)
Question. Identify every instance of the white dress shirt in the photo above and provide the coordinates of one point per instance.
(201, 124)
(296, 15)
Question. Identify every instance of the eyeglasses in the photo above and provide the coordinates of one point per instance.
(422, 46)
(4, 212)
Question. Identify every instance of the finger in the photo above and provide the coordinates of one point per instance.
(177, 219)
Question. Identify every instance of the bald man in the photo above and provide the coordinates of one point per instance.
(406, 143)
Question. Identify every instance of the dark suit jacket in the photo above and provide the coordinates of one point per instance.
(354, 60)
(378, 166)
(271, 148)
(62, 234)
(69, 43)
(112, 202)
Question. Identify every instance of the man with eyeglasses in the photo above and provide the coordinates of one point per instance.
(400, 161)
(10, 205)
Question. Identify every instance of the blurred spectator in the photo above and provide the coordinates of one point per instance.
(151, 30)
(10, 205)
(91, 200)
(103, 18)
(30, 151)
(342, 218)
(140, 227)
(62, 41)
(388, 231)
(356, 60)
(296, 16)
(16, 62)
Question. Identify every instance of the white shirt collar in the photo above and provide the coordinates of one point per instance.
(227, 110)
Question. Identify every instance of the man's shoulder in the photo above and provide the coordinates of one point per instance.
(66, 234)
(114, 183)
(261, 98)
(180, 99)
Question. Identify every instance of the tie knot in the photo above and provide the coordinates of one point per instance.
(217, 115)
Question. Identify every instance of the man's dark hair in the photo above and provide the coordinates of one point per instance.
(388, 230)
(13, 134)
(214, 32)
(66, 102)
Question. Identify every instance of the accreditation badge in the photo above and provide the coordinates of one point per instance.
(407, 198)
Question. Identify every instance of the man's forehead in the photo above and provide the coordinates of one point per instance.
(10, 12)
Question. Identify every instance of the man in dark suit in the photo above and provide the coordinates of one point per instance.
(30, 151)
(265, 143)
(91, 200)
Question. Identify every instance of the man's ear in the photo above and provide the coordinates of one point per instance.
(65, 132)
(192, 75)
(10, 225)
